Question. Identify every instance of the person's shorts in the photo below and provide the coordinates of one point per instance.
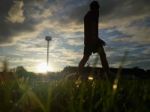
(89, 49)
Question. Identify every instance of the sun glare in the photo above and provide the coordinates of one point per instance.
(43, 68)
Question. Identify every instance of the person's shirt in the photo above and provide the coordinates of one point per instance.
(91, 27)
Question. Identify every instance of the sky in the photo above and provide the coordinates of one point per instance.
(123, 24)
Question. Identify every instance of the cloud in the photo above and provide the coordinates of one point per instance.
(118, 9)
(15, 14)
(75, 42)
(15, 23)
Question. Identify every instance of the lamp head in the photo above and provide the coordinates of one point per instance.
(48, 38)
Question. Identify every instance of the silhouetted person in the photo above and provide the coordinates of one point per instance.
(92, 43)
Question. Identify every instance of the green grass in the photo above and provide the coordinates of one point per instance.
(64, 95)
(20, 95)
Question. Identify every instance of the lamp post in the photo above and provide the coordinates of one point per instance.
(48, 39)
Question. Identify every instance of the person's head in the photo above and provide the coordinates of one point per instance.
(94, 5)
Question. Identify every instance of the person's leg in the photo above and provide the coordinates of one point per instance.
(103, 58)
(83, 62)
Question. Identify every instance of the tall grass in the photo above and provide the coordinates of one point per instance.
(21, 95)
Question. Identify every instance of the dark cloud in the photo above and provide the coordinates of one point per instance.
(74, 11)
(4, 8)
(5, 5)
(12, 25)
(127, 8)
(124, 8)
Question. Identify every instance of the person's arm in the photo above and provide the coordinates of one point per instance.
(102, 42)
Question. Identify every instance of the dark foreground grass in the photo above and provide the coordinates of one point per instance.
(22, 95)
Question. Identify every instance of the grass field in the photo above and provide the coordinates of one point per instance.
(24, 95)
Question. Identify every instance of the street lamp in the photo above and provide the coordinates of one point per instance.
(48, 39)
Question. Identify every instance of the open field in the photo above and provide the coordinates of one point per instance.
(31, 95)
